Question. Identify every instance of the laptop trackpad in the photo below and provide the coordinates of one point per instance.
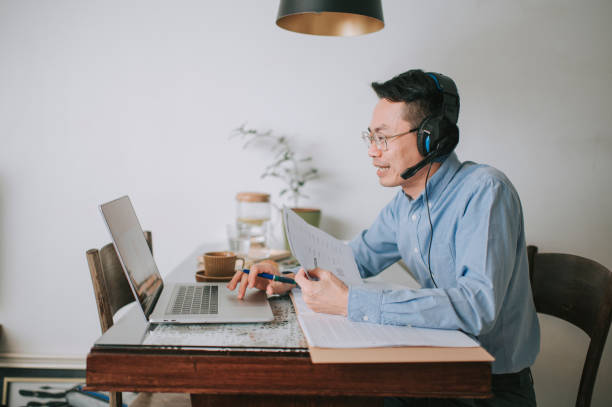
(253, 307)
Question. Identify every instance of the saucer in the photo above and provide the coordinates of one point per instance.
(201, 277)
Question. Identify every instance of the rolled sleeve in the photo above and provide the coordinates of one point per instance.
(364, 305)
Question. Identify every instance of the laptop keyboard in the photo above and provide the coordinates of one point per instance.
(190, 300)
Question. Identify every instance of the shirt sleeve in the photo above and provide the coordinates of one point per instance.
(486, 248)
(375, 248)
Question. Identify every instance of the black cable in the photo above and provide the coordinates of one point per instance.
(430, 227)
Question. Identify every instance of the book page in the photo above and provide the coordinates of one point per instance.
(334, 331)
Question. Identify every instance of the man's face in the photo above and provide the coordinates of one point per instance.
(401, 152)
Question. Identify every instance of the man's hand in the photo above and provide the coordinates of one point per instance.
(328, 295)
(250, 280)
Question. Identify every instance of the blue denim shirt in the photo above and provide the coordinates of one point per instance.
(478, 260)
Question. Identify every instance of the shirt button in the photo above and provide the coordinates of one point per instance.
(416, 249)
(365, 318)
(414, 217)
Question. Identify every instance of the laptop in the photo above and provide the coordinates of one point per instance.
(177, 303)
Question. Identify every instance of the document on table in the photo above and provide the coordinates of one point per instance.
(313, 248)
(335, 331)
(311, 245)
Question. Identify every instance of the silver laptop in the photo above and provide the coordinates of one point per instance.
(178, 303)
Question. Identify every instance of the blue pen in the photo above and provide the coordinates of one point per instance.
(273, 277)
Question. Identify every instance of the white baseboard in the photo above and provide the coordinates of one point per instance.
(17, 360)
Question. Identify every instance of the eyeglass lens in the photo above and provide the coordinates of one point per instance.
(380, 141)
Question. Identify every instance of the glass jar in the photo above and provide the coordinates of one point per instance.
(253, 209)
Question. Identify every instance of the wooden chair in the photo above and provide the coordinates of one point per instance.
(577, 290)
(112, 292)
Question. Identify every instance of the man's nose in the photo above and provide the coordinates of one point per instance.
(373, 150)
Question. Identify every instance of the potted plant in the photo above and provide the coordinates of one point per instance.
(293, 170)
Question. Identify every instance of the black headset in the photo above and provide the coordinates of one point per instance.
(438, 133)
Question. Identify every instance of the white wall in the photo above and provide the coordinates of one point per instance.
(100, 99)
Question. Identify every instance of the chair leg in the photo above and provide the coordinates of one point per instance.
(115, 399)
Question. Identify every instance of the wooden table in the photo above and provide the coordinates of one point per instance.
(271, 366)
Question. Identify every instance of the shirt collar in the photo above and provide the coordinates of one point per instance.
(438, 182)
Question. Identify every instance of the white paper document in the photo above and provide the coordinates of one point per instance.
(311, 245)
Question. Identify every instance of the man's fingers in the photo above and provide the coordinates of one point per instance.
(317, 272)
(300, 277)
(243, 286)
(253, 277)
(243, 281)
(304, 283)
(255, 281)
(232, 284)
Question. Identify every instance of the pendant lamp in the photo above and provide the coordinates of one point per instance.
(331, 17)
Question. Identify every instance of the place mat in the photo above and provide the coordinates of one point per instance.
(283, 334)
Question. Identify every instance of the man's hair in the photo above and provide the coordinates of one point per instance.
(415, 88)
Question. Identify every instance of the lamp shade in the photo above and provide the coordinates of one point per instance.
(331, 17)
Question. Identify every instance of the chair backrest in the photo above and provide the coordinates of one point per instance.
(111, 287)
(577, 290)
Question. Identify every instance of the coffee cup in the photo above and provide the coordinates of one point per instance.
(221, 264)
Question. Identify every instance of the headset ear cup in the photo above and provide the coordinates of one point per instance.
(429, 133)
(447, 143)
(425, 136)
(438, 135)
(420, 136)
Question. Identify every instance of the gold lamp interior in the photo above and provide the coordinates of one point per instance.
(330, 23)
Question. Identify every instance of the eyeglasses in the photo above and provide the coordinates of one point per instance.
(380, 140)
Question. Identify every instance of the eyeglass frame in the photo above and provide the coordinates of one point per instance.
(369, 139)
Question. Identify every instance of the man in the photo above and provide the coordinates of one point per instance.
(458, 227)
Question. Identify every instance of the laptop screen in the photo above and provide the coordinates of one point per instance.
(133, 251)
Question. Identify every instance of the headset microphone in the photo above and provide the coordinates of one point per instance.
(409, 172)
(445, 146)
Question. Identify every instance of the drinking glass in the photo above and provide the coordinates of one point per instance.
(239, 238)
